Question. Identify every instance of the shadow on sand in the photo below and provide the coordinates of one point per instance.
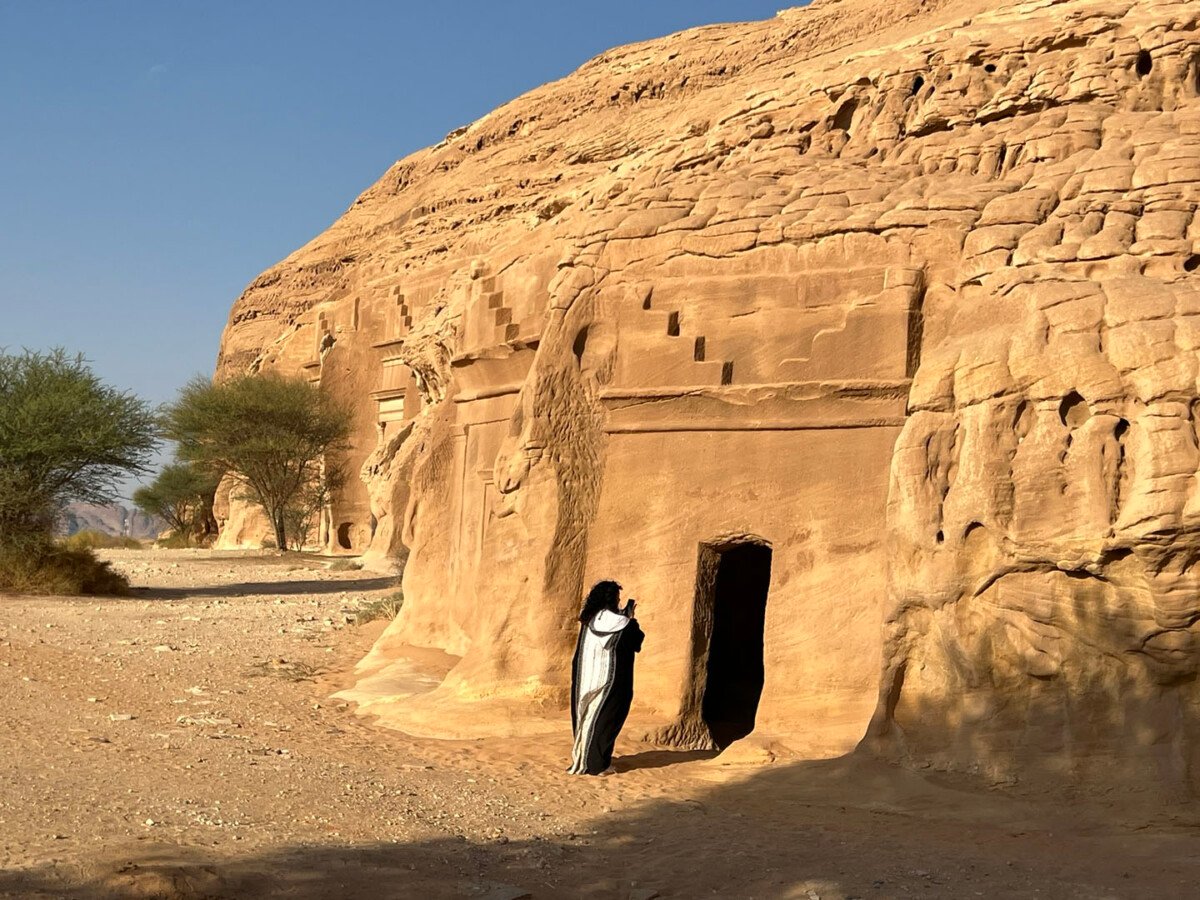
(852, 827)
(271, 588)
(658, 759)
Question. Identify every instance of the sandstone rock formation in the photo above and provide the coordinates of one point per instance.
(114, 520)
(889, 311)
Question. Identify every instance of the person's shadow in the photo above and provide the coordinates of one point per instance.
(657, 759)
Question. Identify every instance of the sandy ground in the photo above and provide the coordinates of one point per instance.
(183, 743)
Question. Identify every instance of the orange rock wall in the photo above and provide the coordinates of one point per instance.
(903, 291)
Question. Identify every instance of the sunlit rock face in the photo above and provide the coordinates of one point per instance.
(902, 295)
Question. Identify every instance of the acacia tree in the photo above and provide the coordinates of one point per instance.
(64, 436)
(272, 433)
(181, 495)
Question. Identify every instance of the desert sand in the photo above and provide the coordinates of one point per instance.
(184, 742)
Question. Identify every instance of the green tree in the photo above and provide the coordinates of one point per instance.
(64, 436)
(182, 495)
(272, 433)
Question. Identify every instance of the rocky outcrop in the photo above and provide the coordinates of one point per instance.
(900, 294)
(113, 520)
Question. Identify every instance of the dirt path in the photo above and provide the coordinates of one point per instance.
(181, 743)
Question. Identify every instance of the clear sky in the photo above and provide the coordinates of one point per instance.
(156, 155)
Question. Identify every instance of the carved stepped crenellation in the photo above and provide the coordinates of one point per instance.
(403, 319)
(663, 352)
(490, 320)
(506, 328)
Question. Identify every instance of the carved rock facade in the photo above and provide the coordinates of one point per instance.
(868, 319)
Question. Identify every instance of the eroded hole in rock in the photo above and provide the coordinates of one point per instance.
(917, 84)
(673, 325)
(737, 599)
(1114, 556)
(580, 344)
(1119, 474)
(343, 536)
(1073, 411)
(844, 117)
(1022, 420)
(698, 350)
(1192, 263)
(940, 537)
(1144, 64)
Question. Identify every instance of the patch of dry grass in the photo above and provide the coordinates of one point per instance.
(56, 569)
(382, 608)
(289, 670)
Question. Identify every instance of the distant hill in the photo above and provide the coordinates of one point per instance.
(115, 520)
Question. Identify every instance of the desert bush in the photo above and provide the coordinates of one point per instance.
(90, 539)
(51, 568)
(381, 608)
(274, 435)
(64, 436)
(177, 541)
(182, 495)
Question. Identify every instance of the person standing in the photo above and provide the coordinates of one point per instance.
(602, 677)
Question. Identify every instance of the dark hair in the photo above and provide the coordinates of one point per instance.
(603, 595)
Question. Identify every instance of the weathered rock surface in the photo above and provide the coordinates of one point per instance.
(903, 292)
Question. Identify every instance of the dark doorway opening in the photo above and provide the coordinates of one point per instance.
(737, 598)
(343, 536)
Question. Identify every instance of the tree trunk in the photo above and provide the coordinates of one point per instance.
(280, 534)
(208, 518)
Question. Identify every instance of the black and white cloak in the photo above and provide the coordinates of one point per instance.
(601, 688)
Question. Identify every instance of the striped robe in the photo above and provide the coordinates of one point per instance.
(601, 688)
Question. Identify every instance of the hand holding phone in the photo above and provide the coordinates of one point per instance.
(630, 606)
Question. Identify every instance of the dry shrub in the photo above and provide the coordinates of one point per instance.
(55, 569)
(90, 539)
(383, 608)
(183, 541)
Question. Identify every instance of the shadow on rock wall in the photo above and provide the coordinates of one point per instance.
(1056, 680)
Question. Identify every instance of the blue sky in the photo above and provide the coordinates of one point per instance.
(155, 156)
